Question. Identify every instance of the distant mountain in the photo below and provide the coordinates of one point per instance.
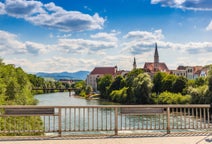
(79, 75)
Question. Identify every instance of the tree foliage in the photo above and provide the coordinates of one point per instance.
(103, 85)
(119, 95)
(141, 88)
(168, 82)
(157, 82)
(15, 87)
(173, 98)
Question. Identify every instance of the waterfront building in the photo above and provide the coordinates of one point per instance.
(98, 72)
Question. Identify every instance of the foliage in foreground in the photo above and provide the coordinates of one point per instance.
(15, 89)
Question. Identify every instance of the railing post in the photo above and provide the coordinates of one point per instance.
(116, 120)
(168, 120)
(59, 122)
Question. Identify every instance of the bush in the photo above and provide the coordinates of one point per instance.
(199, 95)
(173, 98)
(119, 95)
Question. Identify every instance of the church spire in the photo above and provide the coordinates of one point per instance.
(156, 58)
(134, 64)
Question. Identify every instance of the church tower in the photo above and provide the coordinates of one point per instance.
(134, 64)
(156, 58)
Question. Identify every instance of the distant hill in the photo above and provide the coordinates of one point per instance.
(79, 75)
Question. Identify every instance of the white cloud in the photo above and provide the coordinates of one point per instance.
(23, 8)
(51, 16)
(145, 35)
(36, 48)
(197, 5)
(53, 64)
(11, 45)
(209, 27)
(64, 35)
(179, 2)
(139, 42)
(106, 36)
(2, 11)
(84, 45)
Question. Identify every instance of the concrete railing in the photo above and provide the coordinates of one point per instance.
(33, 120)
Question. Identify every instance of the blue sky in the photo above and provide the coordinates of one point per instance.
(72, 35)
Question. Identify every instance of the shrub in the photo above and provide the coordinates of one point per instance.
(173, 98)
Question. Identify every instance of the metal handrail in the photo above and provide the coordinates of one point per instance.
(107, 118)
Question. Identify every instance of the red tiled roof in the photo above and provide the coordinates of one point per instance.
(197, 69)
(149, 66)
(104, 70)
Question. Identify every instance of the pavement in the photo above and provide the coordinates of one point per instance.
(192, 139)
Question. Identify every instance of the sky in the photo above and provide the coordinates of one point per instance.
(73, 35)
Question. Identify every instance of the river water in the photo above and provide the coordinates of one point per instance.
(63, 99)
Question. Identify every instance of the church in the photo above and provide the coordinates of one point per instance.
(156, 66)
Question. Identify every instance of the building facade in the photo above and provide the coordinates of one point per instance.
(190, 72)
(98, 72)
(156, 65)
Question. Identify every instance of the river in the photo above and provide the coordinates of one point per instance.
(63, 99)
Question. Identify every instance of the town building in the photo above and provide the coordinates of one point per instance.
(190, 72)
(156, 65)
(98, 72)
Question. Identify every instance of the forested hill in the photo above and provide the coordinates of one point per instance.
(79, 75)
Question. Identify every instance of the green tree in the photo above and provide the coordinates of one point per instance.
(88, 90)
(15, 87)
(103, 84)
(80, 88)
(119, 95)
(210, 79)
(141, 88)
(200, 81)
(167, 82)
(12, 89)
(131, 76)
(199, 95)
(179, 84)
(117, 83)
(158, 82)
(173, 98)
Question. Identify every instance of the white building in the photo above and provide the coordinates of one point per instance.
(190, 72)
(98, 72)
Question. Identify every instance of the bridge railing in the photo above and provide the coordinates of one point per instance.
(112, 119)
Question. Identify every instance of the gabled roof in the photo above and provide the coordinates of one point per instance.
(197, 69)
(149, 66)
(104, 70)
